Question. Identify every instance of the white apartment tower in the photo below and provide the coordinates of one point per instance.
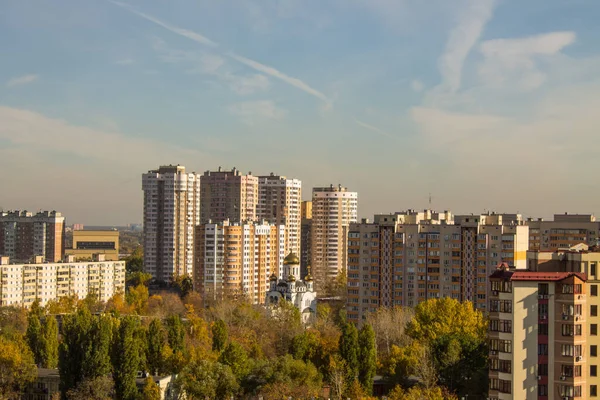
(279, 202)
(334, 208)
(171, 210)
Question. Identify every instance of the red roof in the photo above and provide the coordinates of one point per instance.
(545, 276)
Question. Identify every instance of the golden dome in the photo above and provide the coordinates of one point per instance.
(291, 278)
(291, 259)
(308, 277)
(273, 277)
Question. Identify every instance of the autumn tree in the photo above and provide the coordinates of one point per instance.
(367, 354)
(156, 344)
(135, 261)
(151, 390)
(50, 342)
(236, 358)
(287, 377)
(17, 367)
(203, 379)
(126, 359)
(137, 297)
(99, 388)
(349, 350)
(389, 326)
(220, 335)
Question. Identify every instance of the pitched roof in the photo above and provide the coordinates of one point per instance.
(545, 276)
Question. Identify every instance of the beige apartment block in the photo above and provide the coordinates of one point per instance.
(564, 231)
(542, 335)
(406, 258)
(88, 243)
(24, 235)
(22, 284)
(334, 208)
(228, 195)
(279, 203)
(236, 260)
(171, 211)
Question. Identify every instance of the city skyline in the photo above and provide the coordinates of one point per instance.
(487, 105)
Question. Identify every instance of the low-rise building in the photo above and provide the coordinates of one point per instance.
(88, 243)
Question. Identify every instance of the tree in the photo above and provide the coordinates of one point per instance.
(389, 325)
(99, 388)
(175, 333)
(219, 335)
(137, 297)
(236, 358)
(135, 261)
(157, 341)
(420, 393)
(151, 391)
(349, 350)
(84, 353)
(126, 358)
(183, 284)
(368, 357)
(17, 367)
(203, 379)
(34, 334)
(337, 375)
(136, 278)
(291, 378)
(50, 342)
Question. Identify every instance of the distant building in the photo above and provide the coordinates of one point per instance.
(279, 203)
(564, 231)
(291, 288)
(24, 235)
(334, 208)
(171, 211)
(22, 284)
(305, 237)
(405, 258)
(87, 243)
(235, 260)
(228, 195)
(78, 227)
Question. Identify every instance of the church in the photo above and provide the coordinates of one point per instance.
(299, 292)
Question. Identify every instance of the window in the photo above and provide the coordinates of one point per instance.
(594, 290)
(594, 311)
(594, 329)
(594, 350)
(500, 385)
(500, 365)
(570, 370)
(571, 330)
(543, 329)
(569, 391)
(543, 289)
(593, 370)
(543, 369)
(503, 346)
(593, 269)
(569, 350)
(542, 390)
(593, 390)
(542, 349)
(574, 289)
(500, 325)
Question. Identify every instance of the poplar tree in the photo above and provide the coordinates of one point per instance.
(367, 357)
(126, 358)
(348, 346)
(220, 335)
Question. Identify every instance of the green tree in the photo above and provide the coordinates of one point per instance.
(367, 354)
(236, 358)
(126, 359)
(135, 261)
(203, 379)
(99, 388)
(184, 285)
(137, 297)
(137, 278)
(50, 342)
(84, 352)
(17, 367)
(34, 335)
(220, 335)
(348, 346)
(157, 340)
(151, 391)
(291, 378)
(175, 333)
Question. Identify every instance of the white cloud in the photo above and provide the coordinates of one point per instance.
(251, 112)
(22, 80)
(515, 62)
(416, 85)
(463, 37)
(372, 128)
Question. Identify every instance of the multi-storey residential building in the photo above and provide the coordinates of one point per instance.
(171, 211)
(542, 335)
(228, 195)
(87, 243)
(407, 258)
(564, 231)
(279, 203)
(24, 235)
(22, 284)
(334, 208)
(305, 236)
(233, 259)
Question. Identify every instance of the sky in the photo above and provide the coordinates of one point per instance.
(485, 104)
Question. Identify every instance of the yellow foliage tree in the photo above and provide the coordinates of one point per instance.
(137, 297)
(17, 367)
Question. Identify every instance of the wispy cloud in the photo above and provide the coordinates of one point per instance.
(251, 112)
(265, 69)
(22, 80)
(372, 128)
(416, 85)
(462, 39)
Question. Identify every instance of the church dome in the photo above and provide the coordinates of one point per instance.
(291, 278)
(291, 259)
(308, 277)
(273, 277)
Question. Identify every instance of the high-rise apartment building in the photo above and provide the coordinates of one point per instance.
(233, 259)
(24, 235)
(22, 284)
(564, 231)
(406, 258)
(543, 333)
(171, 211)
(279, 203)
(334, 208)
(305, 236)
(228, 195)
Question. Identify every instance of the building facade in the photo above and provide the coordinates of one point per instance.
(88, 243)
(292, 288)
(24, 235)
(542, 335)
(22, 284)
(334, 208)
(279, 203)
(305, 236)
(233, 259)
(171, 211)
(565, 231)
(228, 195)
(406, 258)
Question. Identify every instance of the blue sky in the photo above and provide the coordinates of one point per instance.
(487, 104)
